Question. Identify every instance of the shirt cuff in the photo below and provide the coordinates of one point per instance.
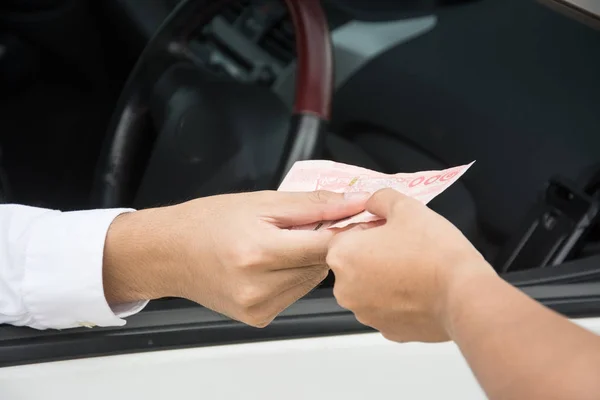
(63, 285)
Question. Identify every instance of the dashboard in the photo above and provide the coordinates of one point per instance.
(251, 41)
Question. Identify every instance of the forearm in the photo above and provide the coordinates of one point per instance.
(136, 262)
(519, 349)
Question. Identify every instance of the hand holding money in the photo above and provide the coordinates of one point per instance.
(233, 253)
(306, 176)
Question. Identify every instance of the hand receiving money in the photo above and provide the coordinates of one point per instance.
(423, 186)
(398, 290)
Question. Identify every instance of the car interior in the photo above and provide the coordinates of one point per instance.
(415, 85)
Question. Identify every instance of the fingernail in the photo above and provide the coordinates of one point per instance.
(357, 196)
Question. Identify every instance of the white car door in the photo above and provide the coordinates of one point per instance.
(315, 350)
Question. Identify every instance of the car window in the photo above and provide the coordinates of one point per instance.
(511, 84)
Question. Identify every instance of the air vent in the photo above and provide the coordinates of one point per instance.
(279, 41)
(234, 11)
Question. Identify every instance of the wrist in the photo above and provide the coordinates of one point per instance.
(463, 290)
(135, 260)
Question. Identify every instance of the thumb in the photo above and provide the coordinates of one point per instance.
(383, 202)
(300, 208)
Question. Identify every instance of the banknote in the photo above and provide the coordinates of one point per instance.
(307, 176)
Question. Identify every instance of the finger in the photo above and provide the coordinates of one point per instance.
(274, 306)
(299, 248)
(363, 226)
(383, 202)
(342, 233)
(351, 247)
(280, 281)
(300, 208)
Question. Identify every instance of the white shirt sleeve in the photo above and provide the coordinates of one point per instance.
(51, 268)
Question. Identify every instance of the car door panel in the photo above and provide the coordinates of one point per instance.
(340, 367)
(348, 367)
(315, 350)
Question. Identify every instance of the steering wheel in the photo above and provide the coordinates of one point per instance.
(213, 135)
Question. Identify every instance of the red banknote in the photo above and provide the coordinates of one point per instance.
(306, 176)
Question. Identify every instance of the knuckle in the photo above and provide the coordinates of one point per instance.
(338, 294)
(331, 259)
(370, 316)
(380, 195)
(258, 318)
(244, 255)
(364, 319)
(259, 323)
(389, 198)
(399, 207)
(343, 260)
(248, 296)
(342, 297)
(334, 258)
(393, 337)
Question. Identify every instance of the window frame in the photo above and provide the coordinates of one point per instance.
(572, 289)
(580, 10)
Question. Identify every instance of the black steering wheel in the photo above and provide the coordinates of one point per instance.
(211, 135)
